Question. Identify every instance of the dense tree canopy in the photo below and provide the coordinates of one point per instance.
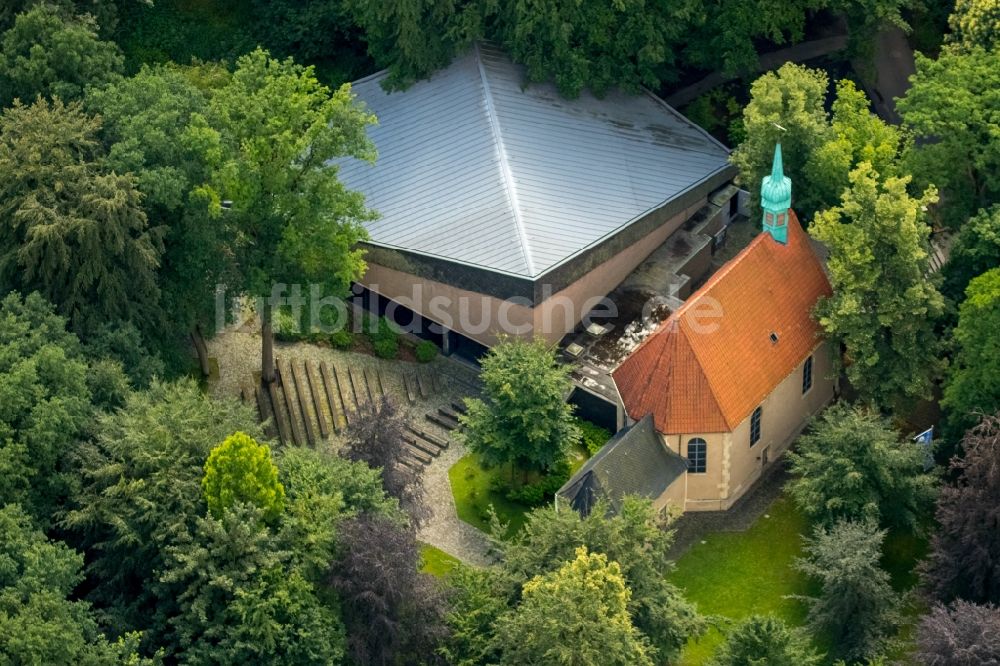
(852, 465)
(976, 250)
(39, 623)
(635, 539)
(524, 419)
(588, 591)
(975, 23)
(856, 606)
(763, 640)
(883, 307)
(791, 98)
(47, 404)
(973, 386)
(69, 228)
(961, 634)
(50, 52)
(964, 559)
(953, 106)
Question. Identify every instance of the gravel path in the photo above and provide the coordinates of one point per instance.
(238, 353)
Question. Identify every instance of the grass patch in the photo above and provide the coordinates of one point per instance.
(737, 574)
(436, 561)
(471, 485)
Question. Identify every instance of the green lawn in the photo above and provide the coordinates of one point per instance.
(471, 486)
(734, 575)
(436, 561)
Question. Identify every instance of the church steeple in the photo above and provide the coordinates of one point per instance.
(776, 199)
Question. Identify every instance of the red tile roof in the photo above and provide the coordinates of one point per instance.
(712, 361)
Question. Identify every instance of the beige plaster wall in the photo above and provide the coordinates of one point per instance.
(482, 317)
(733, 465)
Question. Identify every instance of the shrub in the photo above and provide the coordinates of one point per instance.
(285, 328)
(593, 436)
(386, 347)
(342, 339)
(426, 351)
(541, 491)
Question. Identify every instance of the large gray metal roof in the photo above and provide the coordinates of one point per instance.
(474, 168)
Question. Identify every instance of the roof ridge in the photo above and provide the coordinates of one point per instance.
(505, 171)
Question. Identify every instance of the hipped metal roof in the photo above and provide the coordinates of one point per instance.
(474, 168)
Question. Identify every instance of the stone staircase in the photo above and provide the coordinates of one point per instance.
(311, 401)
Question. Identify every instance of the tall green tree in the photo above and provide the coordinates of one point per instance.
(412, 38)
(852, 465)
(953, 107)
(241, 470)
(884, 306)
(976, 250)
(636, 538)
(577, 614)
(149, 131)
(241, 600)
(140, 493)
(975, 23)
(764, 640)
(47, 397)
(51, 52)
(275, 128)
(856, 605)
(524, 419)
(856, 135)
(791, 98)
(40, 623)
(964, 558)
(70, 229)
(569, 43)
(973, 386)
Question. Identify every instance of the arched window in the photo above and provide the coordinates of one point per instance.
(781, 219)
(755, 427)
(807, 375)
(697, 455)
(769, 217)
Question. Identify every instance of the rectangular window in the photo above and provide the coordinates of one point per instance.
(807, 375)
(697, 454)
(755, 427)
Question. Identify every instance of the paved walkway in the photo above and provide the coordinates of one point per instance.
(445, 530)
(888, 77)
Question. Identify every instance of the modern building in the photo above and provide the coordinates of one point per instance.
(728, 380)
(507, 208)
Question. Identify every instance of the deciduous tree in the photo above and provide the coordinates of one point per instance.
(973, 386)
(964, 558)
(961, 634)
(393, 612)
(636, 538)
(856, 606)
(883, 307)
(376, 438)
(241, 470)
(49, 51)
(791, 98)
(524, 419)
(852, 465)
(577, 614)
(976, 250)
(953, 107)
(975, 23)
(763, 640)
(275, 129)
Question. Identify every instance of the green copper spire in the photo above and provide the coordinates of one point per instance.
(776, 199)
